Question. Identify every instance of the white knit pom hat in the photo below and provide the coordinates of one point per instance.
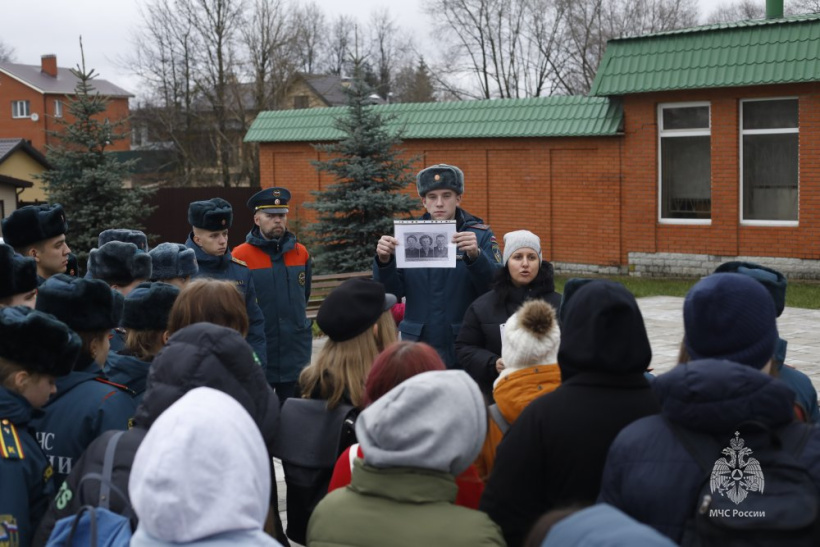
(531, 337)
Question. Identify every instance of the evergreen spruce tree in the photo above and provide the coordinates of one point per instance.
(86, 180)
(355, 211)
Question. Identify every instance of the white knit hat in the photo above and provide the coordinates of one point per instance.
(519, 239)
(531, 337)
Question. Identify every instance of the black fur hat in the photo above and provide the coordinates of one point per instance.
(33, 223)
(18, 274)
(440, 177)
(147, 307)
(774, 281)
(125, 235)
(171, 260)
(213, 215)
(83, 304)
(119, 261)
(37, 341)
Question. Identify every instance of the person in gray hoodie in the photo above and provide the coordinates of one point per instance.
(200, 476)
(415, 440)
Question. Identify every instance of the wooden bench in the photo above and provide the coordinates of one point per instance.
(321, 285)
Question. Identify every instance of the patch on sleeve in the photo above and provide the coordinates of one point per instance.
(302, 278)
(10, 446)
(9, 533)
(496, 250)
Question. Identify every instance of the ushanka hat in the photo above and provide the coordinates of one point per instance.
(37, 341)
(148, 306)
(119, 261)
(774, 281)
(352, 308)
(213, 215)
(125, 235)
(32, 223)
(730, 316)
(18, 274)
(84, 305)
(172, 260)
(440, 177)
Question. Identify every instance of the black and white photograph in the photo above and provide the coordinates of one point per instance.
(425, 244)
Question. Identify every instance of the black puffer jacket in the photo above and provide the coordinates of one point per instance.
(478, 345)
(198, 355)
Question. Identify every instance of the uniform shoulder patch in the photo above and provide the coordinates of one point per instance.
(481, 226)
(240, 262)
(121, 387)
(10, 446)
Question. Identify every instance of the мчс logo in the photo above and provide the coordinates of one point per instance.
(737, 474)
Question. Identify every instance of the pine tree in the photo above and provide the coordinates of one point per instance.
(355, 211)
(86, 180)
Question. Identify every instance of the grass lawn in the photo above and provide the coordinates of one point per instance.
(800, 294)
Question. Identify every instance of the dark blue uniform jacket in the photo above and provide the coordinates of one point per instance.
(129, 371)
(225, 267)
(26, 484)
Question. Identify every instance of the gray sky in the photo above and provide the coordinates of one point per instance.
(54, 26)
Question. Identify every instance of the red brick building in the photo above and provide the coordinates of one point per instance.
(694, 147)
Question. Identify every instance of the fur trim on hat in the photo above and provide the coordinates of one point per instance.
(172, 260)
(440, 177)
(148, 306)
(531, 337)
(125, 235)
(213, 215)
(18, 274)
(119, 262)
(32, 223)
(85, 305)
(37, 341)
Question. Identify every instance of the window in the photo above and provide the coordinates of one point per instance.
(300, 101)
(58, 108)
(769, 161)
(20, 109)
(685, 162)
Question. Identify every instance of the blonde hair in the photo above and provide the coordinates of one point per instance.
(143, 344)
(341, 368)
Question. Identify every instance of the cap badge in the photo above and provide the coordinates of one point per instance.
(276, 202)
(224, 222)
(277, 193)
(437, 178)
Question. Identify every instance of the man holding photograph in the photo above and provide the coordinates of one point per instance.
(436, 298)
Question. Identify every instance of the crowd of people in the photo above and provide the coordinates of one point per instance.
(492, 410)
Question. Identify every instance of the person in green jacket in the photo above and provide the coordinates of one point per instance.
(415, 440)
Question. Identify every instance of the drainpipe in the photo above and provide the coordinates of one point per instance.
(774, 9)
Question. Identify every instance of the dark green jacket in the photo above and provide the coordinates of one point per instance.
(399, 507)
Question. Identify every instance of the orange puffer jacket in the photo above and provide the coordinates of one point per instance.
(512, 394)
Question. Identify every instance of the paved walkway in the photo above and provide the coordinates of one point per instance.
(663, 316)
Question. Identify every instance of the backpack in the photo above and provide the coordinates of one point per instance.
(95, 526)
(754, 491)
(498, 418)
(310, 440)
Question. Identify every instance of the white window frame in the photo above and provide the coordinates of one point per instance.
(742, 132)
(672, 133)
(15, 108)
(58, 108)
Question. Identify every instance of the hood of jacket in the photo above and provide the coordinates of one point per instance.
(514, 392)
(273, 247)
(715, 396)
(603, 331)
(15, 408)
(201, 470)
(206, 261)
(208, 355)
(603, 526)
(435, 420)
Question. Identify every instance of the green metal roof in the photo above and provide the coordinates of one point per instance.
(535, 117)
(767, 51)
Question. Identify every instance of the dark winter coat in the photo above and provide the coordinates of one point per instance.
(438, 297)
(228, 268)
(478, 345)
(86, 405)
(129, 371)
(196, 356)
(26, 482)
(554, 453)
(650, 476)
(281, 272)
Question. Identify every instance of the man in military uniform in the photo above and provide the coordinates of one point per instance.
(38, 231)
(436, 298)
(210, 221)
(281, 269)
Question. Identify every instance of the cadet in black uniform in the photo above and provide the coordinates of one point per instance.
(34, 348)
(18, 279)
(38, 231)
(87, 403)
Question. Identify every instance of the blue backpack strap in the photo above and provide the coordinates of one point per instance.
(92, 515)
(498, 418)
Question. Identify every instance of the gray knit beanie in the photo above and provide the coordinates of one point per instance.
(519, 239)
